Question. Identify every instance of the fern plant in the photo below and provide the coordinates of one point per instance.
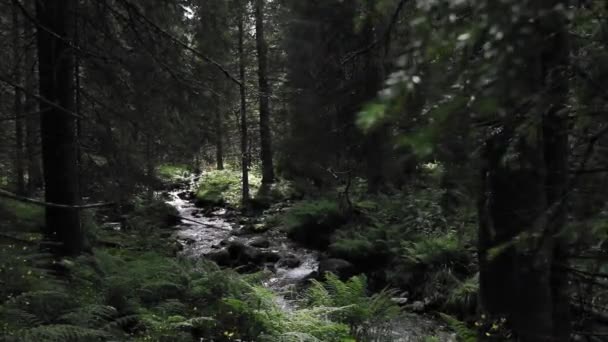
(367, 316)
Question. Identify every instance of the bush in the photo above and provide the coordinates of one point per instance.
(313, 222)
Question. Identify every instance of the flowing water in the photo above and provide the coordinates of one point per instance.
(203, 233)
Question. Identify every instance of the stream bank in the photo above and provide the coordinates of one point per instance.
(222, 236)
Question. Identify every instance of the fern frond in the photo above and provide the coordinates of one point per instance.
(63, 333)
(464, 333)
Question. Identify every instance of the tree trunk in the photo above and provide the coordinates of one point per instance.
(244, 142)
(265, 134)
(522, 202)
(18, 105)
(57, 124)
(556, 152)
(32, 122)
(219, 136)
(374, 145)
(514, 275)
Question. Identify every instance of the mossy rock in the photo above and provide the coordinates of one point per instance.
(313, 223)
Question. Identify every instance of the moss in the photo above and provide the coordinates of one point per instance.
(223, 187)
(20, 217)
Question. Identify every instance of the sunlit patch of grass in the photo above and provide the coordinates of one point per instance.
(224, 187)
(171, 172)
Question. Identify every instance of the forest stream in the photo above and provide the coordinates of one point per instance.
(205, 234)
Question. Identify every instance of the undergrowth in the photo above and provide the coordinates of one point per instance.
(224, 187)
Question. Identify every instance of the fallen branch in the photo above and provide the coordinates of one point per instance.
(17, 239)
(6, 194)
(199, 222)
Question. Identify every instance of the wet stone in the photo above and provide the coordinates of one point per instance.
(289, 261)
(259, 242)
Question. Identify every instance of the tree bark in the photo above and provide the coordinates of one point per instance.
(32, 122)
(244, 142)
(219, 136)
(522, 202)
(18, 104)
(58, 127)
(264, 87)
(374, 145)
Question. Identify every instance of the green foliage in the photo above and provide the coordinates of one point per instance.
(20, 217)
(172, 173)
(464, 296)
(366, 315)
(436, 252)
(312, 222)
(223, 187)
(464, 333)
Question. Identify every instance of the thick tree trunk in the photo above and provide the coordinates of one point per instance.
(514, 275)
(522, 206)
(265, 133)
(18, 105)
(57, 123)
(244, 141)
(32, 122)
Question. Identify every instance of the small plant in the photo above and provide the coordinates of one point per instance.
(464, 296)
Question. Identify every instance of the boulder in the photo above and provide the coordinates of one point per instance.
(342, 268)
(259, 242)
(221, 257)
(189, 241)
(269, 256)
(289, 261)
(186, 195)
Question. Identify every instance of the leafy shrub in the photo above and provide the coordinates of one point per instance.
(313, 222)
(436, 252)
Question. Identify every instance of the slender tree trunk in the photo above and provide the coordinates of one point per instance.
(244, 142)
(374, 145)
(32, 122)
(265, 133)
(18, 105)
(556, 152)
(58, 124)
(219, 136)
